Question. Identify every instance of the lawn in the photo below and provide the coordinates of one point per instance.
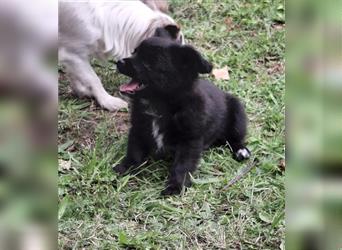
(99, 210)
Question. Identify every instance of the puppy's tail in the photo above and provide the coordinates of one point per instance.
(236, 127)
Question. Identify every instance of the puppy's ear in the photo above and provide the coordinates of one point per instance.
(190, 58)
(173, 30)
(169, 31)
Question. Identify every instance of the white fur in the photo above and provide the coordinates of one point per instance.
(158, 137)
(102, 29)
(244, 152)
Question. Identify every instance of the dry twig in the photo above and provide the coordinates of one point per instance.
(252, 163)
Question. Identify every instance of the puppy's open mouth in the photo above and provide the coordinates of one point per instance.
(131, 87)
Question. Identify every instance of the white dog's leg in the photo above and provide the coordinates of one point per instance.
(85, 82)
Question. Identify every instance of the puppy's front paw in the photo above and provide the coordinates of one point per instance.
(242, 154)
(171, 190)
(120, 169)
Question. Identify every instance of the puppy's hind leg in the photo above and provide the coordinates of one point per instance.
(236, 128)
(85, 82)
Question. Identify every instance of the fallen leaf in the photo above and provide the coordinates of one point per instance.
(278, 26)
(221, 74)
(265, 217)
(229, 23)
(282, 165)
(62, 207)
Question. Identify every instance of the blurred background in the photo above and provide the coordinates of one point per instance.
(28, 121)
(314, 124)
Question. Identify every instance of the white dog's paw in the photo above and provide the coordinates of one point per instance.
(112, 103)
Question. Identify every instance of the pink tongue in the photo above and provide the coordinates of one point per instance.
(131, 86)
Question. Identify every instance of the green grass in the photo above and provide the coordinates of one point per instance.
(99, 210)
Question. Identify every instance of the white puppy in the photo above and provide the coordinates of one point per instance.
(104, 29)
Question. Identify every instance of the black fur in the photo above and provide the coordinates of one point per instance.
(191, 114)
(170, 31)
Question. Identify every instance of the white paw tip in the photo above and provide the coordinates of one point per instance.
(243, 152)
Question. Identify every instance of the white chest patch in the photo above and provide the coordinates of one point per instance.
(158, 137)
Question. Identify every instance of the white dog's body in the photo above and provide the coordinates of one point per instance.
(102, 29)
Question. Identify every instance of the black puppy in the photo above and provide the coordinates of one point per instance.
(176, 112)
